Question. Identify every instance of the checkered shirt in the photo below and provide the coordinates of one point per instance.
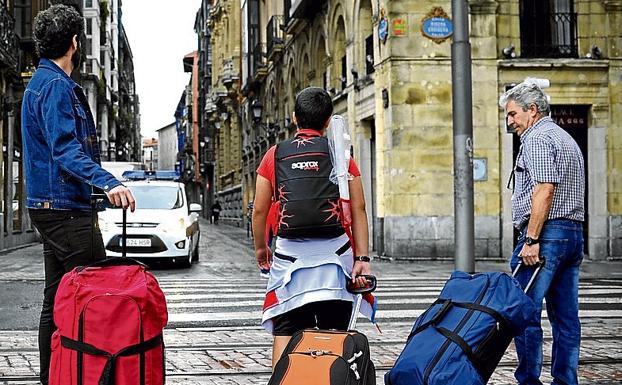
(548, 154)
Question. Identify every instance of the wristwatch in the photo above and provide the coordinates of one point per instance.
(531, 241)
(362, 258)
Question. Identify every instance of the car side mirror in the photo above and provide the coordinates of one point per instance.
(195, 208)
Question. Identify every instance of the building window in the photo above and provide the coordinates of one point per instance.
(22, 12)
(89, 26)
(369, 55)
(254, 37)
(548, 28)
(344, 73)
(88, 3)
(89, 47)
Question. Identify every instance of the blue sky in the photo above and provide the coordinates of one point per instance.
(161, 33)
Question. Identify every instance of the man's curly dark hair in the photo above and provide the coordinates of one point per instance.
(54, 29)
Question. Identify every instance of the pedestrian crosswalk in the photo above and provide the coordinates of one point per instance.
(401, 298)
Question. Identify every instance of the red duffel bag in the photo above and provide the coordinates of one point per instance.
(110, 317)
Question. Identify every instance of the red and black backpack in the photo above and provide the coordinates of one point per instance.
(308, 202)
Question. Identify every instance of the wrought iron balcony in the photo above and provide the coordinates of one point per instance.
(229, 74)
(274, 36)
(552, 35)
(8, 39)
(305, 9)
(296, 10)
(259, 65)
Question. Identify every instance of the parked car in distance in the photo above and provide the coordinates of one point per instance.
(164, 225)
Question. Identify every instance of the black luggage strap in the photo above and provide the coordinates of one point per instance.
(448, 304)
(107, 377)
(455, 338)
(484, 309)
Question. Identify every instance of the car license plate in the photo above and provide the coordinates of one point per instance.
(131, 242)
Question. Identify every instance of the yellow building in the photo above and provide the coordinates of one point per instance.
(387, 65)
(221, 106)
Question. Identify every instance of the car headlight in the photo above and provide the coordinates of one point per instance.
(174, 226)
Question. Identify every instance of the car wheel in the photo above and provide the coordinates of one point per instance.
(195, 252)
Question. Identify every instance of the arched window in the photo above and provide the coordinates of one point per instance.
(274, 111)
(305, 71)
(320, 65)
(294, 84)
(365, 41)
(340, 70)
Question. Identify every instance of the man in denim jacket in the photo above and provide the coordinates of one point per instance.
(62, 162)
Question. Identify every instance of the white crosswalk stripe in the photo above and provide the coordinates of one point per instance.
(231, 302)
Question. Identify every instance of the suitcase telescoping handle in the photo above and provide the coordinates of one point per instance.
(359, 291)
(94, 198)
(115, 261)
(539, 265)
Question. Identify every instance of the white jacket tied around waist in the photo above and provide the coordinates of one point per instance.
(311, 271)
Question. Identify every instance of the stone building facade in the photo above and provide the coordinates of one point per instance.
(221, 107)
(389, 73)
(108, 83)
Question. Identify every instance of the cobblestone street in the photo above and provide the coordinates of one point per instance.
(228, 347)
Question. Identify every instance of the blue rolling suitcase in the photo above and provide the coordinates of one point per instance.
(461, 338)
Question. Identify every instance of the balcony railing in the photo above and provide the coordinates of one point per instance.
(8, 39)
(274, 36)
(295, 10)
(258, 65)
(549, 36)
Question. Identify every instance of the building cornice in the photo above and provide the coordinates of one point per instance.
(612, 5)
(483, 7)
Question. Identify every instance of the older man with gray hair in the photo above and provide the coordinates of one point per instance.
(548, 209)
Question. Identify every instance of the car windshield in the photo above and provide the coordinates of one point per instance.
(157, 197)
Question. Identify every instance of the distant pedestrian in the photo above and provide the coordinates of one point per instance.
(249, 219)
(61, 161)
(314, 257)
(216, 209)
(548, 209)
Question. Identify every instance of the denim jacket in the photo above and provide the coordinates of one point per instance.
(61, 152)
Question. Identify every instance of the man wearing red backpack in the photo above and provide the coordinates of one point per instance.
(314, 256)
(61, 161)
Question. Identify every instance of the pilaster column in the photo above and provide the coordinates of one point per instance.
(483, 7)
(483, 28)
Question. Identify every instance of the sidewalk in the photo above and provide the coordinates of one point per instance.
(241, 355)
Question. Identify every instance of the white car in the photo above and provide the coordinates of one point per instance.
(163, 226)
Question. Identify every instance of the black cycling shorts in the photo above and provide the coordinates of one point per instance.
(325, 315)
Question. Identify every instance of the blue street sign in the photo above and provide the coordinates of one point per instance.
(437, 28)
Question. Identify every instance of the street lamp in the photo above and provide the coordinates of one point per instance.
(257, 109)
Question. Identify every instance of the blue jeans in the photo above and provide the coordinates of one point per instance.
(562, 246)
